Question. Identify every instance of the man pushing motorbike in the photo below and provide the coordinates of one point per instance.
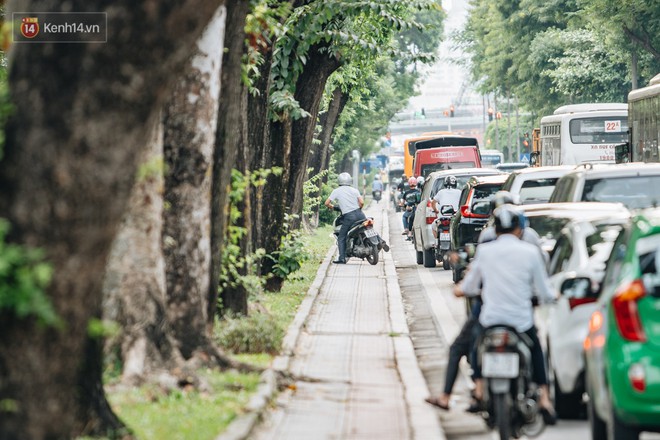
(350, 203)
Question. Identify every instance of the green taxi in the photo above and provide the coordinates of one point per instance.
(622, 349)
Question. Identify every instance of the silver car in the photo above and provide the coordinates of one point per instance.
(423, 237)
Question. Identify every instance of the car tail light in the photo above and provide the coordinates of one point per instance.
(626, 312)
(637, 377)
(465, 212)
(430, 213)
(574, 302)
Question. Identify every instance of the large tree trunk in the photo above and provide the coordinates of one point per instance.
(69, 163)
(227, 135)
(190, 120)
(319, 158)
(309, 92)
(134, 285)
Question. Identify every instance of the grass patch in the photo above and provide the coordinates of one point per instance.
(153, 414)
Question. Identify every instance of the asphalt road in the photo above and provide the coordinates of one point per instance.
(431, 305)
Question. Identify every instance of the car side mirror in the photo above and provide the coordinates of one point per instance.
(577, 287)
(447, 210)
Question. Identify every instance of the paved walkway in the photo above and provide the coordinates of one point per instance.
(361, 377)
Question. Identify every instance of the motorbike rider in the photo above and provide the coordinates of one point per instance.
(376, 185)
(507, 272)
(409, 203)
(350, 203)
(448, 195)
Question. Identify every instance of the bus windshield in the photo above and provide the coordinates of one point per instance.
(600, 130)
(490, 160)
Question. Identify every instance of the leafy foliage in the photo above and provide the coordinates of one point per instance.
(24, 277)
(257, 333)
(291, 254)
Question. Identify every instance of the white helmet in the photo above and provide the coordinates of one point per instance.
(420, 181)
(344, 179)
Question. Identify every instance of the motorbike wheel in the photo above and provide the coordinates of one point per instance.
(372, 258)
(445, 263)
(502, 409)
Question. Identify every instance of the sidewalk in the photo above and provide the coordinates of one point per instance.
(351, 350)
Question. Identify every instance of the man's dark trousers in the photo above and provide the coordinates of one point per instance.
(349, 219)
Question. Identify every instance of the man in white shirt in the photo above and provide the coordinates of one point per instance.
(507, 273)
(350, 202)
(448, 195)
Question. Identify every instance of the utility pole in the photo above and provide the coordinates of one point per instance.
(497, 127)
(508, 125)
(517, 130)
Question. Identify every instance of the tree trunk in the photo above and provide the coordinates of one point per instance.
(134, 284)
(190, 120)
(227, 135)
(70, 158)
(309, 92)
(319, 159)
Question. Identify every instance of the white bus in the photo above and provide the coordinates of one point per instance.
(644, 109)
(490, 158)
(580, 133)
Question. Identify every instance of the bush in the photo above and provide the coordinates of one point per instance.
(257, 333)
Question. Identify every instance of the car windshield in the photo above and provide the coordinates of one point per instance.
(547, 227)
(599, 244)
(537, 191)
(440, 183)
(481, 196)
(633, 191)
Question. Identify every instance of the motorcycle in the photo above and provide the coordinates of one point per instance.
(362, 241)
(377, 195)
(442, 234)
(510, 396)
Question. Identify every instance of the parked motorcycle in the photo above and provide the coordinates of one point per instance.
(442, 234)
(510, 396)
(362, 240)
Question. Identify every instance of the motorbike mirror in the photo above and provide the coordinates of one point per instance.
(447, 210)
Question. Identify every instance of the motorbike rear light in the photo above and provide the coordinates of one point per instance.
(637, 377)
(368, 222)
(497, 339)
(626, 313)
(445, 222)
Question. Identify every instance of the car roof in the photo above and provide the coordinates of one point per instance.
(495, 178)
(558, 170)
(616, 170)
(577, 210)
(464, 172)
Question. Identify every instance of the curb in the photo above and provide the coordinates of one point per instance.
(242, 426)
(423, 419)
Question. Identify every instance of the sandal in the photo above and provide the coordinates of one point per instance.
(436, 402)
(476, 406)
(549, 417)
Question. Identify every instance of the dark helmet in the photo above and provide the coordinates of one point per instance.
(451, 182)
(501, 198)
(508, 218)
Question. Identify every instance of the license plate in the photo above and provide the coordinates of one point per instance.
(370, 233)
(444, 236)
(500, 365)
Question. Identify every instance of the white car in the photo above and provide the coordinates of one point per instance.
(534, 185)
(423, 238)
(582, 248)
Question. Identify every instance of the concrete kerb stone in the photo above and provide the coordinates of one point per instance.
(243, 425)
(423, 419)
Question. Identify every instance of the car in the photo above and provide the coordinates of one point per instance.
(582, 247)
(510, 166)
(474, 209)
(534, 185)
(633, 184)
(622, 348)
(423, 238)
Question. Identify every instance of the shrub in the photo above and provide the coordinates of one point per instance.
(257, 333)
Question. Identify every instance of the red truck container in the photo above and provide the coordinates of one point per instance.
(446, 158)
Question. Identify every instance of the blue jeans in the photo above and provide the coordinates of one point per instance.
(349, 219)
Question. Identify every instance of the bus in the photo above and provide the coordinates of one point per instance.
(491, 158)
(580, 133)
(431, 140)
(644, 122)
